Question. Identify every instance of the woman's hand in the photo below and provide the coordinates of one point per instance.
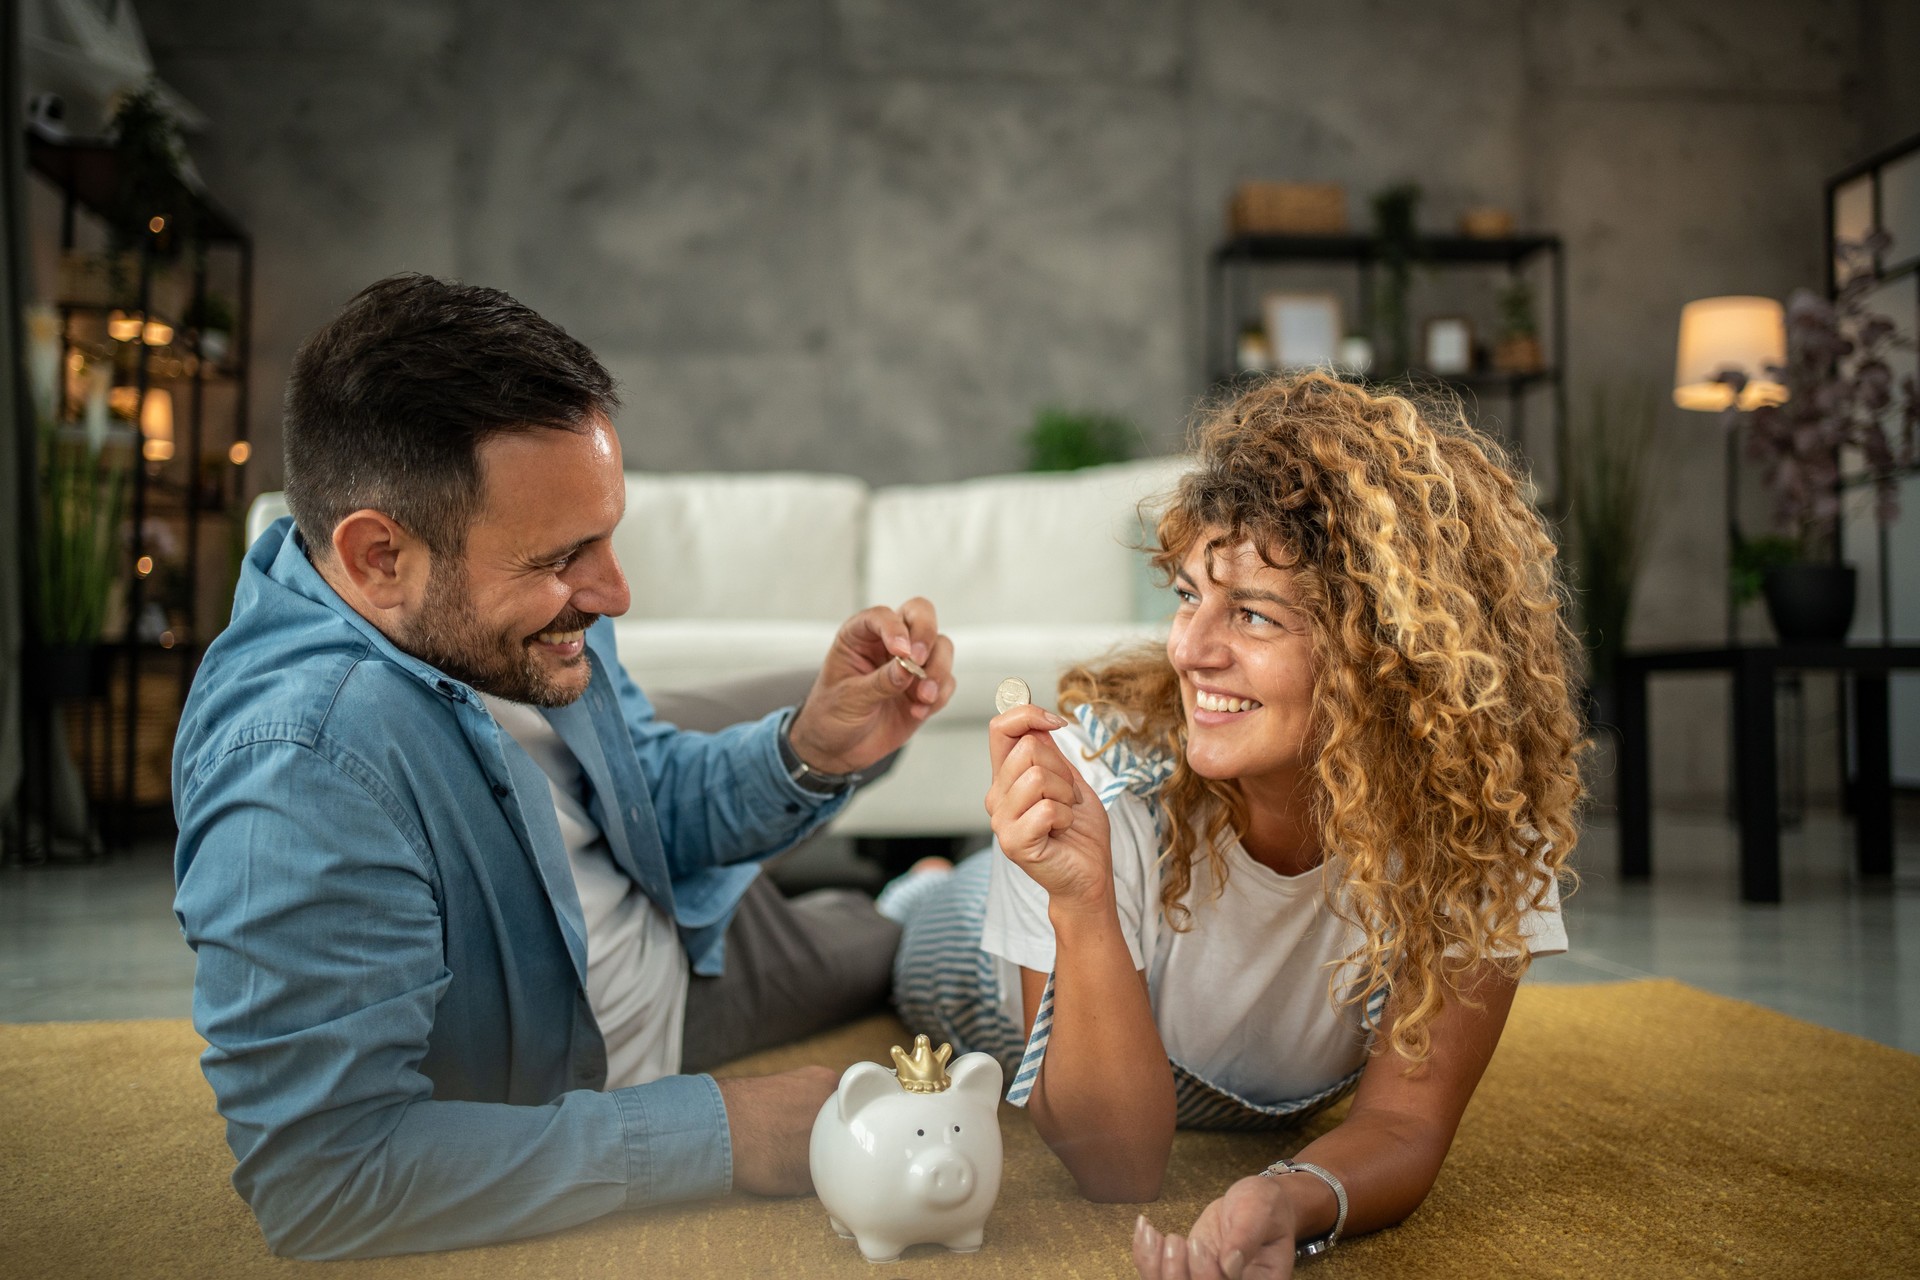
(1247, 1234)
(1046, 817)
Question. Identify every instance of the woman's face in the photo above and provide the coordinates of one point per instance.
(1244, 654)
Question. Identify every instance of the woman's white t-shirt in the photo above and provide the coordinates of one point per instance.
(1241, 998)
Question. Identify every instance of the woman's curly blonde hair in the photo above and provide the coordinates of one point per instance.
(1445, 740)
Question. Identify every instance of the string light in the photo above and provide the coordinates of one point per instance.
(239, 453)
(143, 566)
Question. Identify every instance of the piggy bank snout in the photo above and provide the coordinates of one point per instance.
(942, 1177)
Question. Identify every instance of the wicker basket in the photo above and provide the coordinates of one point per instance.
(1288, 209)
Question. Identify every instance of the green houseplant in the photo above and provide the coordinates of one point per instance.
(81, 499)
(1841, 397)
(1067, 439)
(1610, 505)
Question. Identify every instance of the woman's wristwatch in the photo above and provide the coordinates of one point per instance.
(1314, 1248)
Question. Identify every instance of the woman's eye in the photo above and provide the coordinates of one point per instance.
(1185, 596)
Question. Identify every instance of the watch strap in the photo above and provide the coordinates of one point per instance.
(804, 775)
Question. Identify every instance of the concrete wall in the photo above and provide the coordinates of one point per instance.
(873, 235)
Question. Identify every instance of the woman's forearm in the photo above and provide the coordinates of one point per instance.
(1386, 1164)
(1104, 1099)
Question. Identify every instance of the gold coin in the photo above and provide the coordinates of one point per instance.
(914, 669)
(1012, 692)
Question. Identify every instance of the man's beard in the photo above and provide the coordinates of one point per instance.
(448, 634)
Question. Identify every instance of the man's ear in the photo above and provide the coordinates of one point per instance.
(386, 563)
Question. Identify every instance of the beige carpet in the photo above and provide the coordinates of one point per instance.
(1637, 1129)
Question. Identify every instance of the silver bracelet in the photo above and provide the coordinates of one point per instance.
(1314, 1248)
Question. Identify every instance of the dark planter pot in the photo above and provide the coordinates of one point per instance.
(1811, 603)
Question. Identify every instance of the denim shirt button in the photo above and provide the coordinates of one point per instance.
(792, 807)
(633, 813)
(502, 790)
(446, 688)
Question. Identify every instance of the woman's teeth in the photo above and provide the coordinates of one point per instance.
(560, 637)
(1214, 702)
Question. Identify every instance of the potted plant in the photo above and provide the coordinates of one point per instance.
(211, 317)
(81, 491)
(1610, 507)
(1066, 440)
(1517, 350)
(1840, 396)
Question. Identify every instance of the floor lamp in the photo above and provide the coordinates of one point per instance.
(1721, 338)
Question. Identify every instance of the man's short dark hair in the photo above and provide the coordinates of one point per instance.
(388, 404)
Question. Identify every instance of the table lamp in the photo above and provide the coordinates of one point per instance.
(1721, 336)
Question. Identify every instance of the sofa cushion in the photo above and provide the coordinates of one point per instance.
(1042, 549)
(780, 545)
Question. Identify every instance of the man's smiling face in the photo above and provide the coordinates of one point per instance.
(509, 615)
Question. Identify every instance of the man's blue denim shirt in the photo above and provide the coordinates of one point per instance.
(391, 973)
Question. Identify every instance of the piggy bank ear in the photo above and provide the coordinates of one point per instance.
(976, 1076)
(862, 1083)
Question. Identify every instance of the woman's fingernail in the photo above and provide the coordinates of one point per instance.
(920, 652)
(1166, 1252)
(1139, 1225)
(1233, 1264)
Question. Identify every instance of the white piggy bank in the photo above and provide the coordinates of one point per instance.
(913, 1156)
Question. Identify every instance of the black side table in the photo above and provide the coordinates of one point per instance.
(1753, 669)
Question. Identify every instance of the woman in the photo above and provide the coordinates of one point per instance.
(1307, 849)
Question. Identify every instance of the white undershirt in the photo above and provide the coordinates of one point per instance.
(636, 967)
(1241, 998)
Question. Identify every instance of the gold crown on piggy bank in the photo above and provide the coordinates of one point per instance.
(925, 1070)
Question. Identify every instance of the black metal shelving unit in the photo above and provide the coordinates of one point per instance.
(1231, 301)
(203, 476)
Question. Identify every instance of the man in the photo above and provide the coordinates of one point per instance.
(463, 908)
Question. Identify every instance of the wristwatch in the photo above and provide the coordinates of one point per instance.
(1314, 1248)
(804, 775)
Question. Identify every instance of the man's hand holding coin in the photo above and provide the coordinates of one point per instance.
(888, 670)
(1043, 813)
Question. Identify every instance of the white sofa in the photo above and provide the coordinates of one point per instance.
(742, 575)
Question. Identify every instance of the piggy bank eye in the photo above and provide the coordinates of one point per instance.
(921, 1132)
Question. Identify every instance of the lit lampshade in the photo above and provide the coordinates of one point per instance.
(1719, 336)
(156, 424)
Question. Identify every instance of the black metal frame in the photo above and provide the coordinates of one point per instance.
(84, 173)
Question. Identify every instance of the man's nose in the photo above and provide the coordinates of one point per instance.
(602, 588)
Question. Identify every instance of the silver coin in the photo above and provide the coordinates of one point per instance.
(913, 668)
(1012, 692)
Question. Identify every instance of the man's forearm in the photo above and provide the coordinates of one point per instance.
(445, 1175)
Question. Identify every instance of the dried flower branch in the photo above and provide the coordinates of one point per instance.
(1840, 394)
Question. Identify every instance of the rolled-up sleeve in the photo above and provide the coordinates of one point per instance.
(320, 963)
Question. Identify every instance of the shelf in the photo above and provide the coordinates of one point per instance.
(1466, 250)
(85, 168)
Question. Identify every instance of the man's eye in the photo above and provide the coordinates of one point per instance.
(1256, 619)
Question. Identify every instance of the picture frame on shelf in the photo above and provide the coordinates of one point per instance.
(1303, 329)
(1446, 345)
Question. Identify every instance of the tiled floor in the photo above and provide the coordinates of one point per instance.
(100, 941)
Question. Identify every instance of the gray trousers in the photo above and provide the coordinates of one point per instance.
(795, 966)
